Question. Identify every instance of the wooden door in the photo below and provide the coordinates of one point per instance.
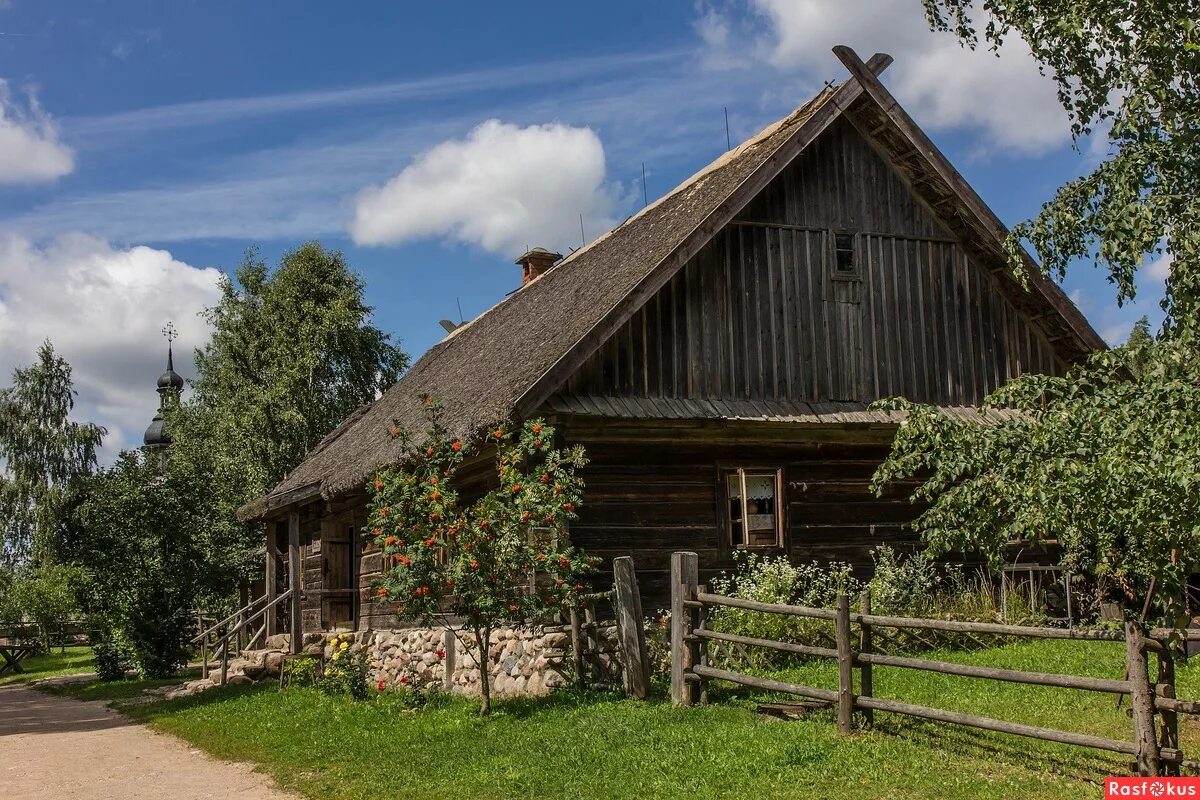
(337, 606)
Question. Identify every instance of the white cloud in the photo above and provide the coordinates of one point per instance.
(942, 84)
(1160, 268)
(502, 187)
(30, 151)
(104, 309)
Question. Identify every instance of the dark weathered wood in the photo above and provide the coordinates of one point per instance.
(450, 647)
(999, 674)
(1141, 701)
(805, 134)
(1168, 735)
(770, 608)
(808, 650)
(845, 658)
(577, 645)
(295, 627)
(866, 683)
(272, 574)
(988, 627)
(1001, 726)
(684, 582)
(628, 605)
(766, 684)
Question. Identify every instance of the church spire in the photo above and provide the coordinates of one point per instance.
(170, 384)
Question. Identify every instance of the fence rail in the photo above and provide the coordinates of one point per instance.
(1155, 744)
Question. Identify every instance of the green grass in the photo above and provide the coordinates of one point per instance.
(75, 661)
(604, 746)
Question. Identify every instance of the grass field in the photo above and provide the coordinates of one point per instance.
(604, 746)
(74, 661)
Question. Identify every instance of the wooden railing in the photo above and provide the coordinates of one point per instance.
(1156, 748)
(236, 633)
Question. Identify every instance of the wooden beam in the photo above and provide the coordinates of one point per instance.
(628, 603)
(271, 577)
(294, 580)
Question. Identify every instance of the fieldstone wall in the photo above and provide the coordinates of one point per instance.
(521, 661)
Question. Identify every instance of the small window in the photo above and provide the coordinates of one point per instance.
(843, 254)
(754, 518)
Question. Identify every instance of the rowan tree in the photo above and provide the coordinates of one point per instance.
(503, 560)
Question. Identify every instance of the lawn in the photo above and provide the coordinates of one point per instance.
(604, 746)
(72, 661)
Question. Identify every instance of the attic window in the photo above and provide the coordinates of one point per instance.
(844, 261)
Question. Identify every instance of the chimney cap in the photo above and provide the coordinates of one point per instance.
(538, 254)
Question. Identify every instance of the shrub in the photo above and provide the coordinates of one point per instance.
(111, 660)
(774, 579)
(346, 670)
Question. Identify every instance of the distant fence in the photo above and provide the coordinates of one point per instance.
(64, 634)
(1156, 747)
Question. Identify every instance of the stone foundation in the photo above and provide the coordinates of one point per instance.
(520, 661)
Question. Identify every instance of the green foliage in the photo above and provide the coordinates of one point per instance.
(111, 659)
(292, 354)
(476, 563)
(1130, 70)
(345, 672)
(42, 452)
(299, 672)
(775, 579)
(146, 557)
(1101, 460)
(45, 595)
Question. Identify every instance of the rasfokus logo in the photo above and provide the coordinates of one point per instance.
(1151, 787)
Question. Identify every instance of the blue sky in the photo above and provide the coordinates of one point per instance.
(144, 145)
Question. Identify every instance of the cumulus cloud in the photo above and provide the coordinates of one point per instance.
(502, 187)
(30, 151)
(103, 308)
(941, 83)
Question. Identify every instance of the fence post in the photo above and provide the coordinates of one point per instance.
(845, 666)
(864, 646)
(685, 576)
(294, 567)
(630, 629)
(448, 644)
(577, 649)
(591, 633)
(1168, 720)
(1141, 701)
(702, 656)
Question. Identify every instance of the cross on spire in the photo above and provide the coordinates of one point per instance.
(171, 335)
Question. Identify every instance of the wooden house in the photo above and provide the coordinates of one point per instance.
(717, 353)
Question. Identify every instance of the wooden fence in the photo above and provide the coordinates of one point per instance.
(589, 650)
(1155, 746)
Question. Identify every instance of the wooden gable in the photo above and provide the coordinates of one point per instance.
(835, 283)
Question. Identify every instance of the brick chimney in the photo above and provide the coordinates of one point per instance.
(535, 262)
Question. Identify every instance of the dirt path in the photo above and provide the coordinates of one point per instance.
(54, 747)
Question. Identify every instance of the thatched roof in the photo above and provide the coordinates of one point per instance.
(510, 359)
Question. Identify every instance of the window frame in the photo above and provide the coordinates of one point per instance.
(724, 471)
(836, 274)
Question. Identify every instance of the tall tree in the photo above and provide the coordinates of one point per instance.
(292, 354)
(1101, 460)
(42, 451)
